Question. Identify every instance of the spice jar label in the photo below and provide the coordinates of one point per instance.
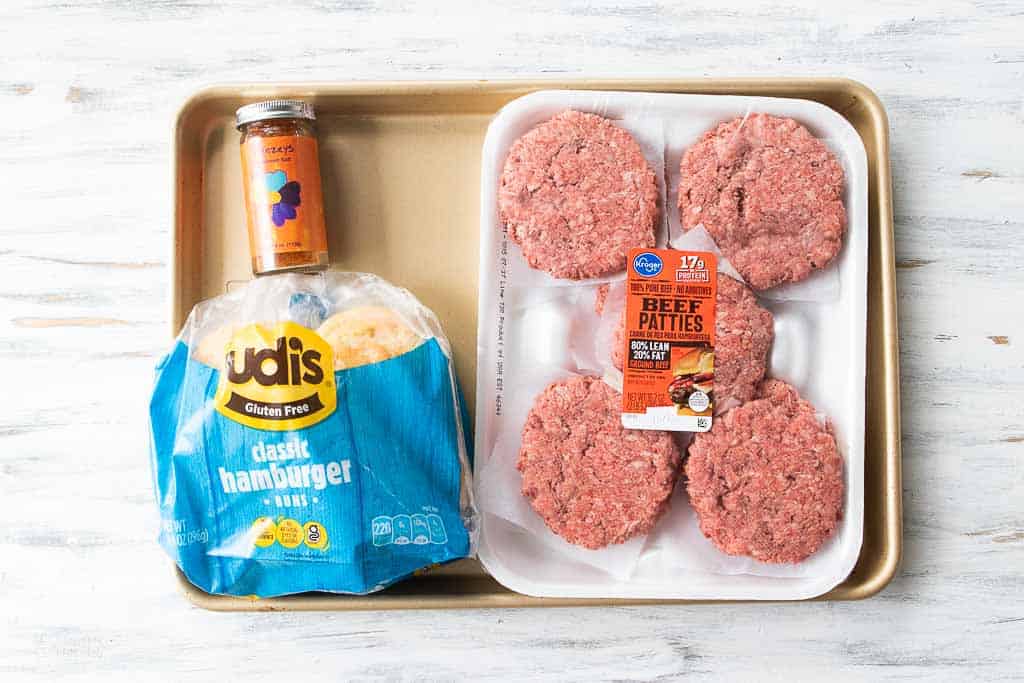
(669, 360)
(285, 199)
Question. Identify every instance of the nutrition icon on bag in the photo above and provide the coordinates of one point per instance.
(383, 530)
(403, 529)
(420, 530)
(437, 533)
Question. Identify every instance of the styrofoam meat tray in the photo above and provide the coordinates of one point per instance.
(530, 323)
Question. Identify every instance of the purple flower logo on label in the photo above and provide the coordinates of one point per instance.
(284, 197)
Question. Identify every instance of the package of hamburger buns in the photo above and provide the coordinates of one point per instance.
(308, 434)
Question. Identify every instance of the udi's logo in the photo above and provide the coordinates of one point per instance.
(277, 378)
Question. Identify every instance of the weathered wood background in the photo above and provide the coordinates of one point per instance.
(87, 94)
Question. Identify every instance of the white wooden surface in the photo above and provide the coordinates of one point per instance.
(87, 92)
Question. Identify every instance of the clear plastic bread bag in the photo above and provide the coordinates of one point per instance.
(309, 434)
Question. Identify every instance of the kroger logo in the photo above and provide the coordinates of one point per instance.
(647, 264)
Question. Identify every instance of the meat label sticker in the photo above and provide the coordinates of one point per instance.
(668, 366)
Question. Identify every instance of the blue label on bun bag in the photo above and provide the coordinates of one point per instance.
(352, 492)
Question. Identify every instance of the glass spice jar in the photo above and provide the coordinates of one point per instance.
(283, 194)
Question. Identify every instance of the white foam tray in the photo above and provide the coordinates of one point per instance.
(819, 348)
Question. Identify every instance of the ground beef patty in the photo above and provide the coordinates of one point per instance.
(593, 482)
(767, 480)
(743, 337)
(576, 193)
(769, 193)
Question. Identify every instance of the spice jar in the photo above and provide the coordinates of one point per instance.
(283, 195)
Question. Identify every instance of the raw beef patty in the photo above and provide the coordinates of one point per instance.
(769, 193)
(767, 480)
(592, 481)
(576, 193)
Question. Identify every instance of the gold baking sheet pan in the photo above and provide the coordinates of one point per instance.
(401, 173)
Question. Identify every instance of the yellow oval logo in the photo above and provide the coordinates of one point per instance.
(276, 378)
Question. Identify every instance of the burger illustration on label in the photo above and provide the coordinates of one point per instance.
(693, 376)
